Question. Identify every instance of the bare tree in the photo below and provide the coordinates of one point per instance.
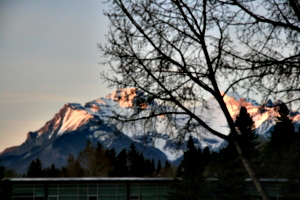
(179, 52)
(269, 34)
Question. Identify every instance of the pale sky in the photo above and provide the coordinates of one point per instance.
(48, 57)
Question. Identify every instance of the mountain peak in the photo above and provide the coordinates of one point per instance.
(128, 97)
(69, 129)
(74, 106)
(234, 103)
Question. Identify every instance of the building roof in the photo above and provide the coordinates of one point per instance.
(92, 179)
(119, 179)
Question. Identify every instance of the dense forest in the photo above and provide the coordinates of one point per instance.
(99, 162)
(277, 158)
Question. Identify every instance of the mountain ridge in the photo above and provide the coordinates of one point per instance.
(74, 124)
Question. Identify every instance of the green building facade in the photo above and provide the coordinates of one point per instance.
(91, 188)
(127, 188)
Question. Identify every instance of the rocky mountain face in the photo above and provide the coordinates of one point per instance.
(68, 131)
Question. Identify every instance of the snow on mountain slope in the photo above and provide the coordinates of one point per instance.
(74, 124)
(75, 116)
(263, 115)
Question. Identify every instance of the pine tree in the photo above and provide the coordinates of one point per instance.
(206, 156)
(192, 162)
(168, 170)
(87, 159)
(111, 155)
(2, 172)
(153, 169)
(103, 161)
(247, 136)
(35, 169)
(167, 164)
(191, 169)
(283, 134)
(281, 157)
(121, 165)
(142, 165)
(278, 155)
(226, 166)
(148, 168)
(51, 171)
(159, 167)
(135, 162)
(78, 170)
(73, 168)
(68, 170)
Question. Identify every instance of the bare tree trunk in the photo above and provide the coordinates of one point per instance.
(173, 64)
(257, 183)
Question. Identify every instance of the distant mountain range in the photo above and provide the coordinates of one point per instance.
(68, 131)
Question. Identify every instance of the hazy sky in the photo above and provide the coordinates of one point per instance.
(48, 57)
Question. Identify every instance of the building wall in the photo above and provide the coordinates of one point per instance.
(103, 191)
(115, 188)
(274, 189)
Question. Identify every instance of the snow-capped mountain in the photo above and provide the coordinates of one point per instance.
(74, 124)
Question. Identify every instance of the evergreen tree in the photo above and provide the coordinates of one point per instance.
(247, 136)
(121, 165)
(68, 170)
(277, 154)
(226, 165)
(168, 170)
(206, 156)
(87, 159)
(148, 167)
(281, 157)
(2, 172)
(103, 161)
(141, 165)
(135, 162)
(158, 168)
(167, 164)
(291, 170)
(111, 155)
(191, 169)
(73, 168)
(153, 169)
(192, 163)
(51, 171)
(227, 168)
(94, 161)
(78, 170)
(35, 169)
(283, 134)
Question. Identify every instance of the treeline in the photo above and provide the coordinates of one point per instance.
(199, 169)
(99, 162)
(220, 175)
